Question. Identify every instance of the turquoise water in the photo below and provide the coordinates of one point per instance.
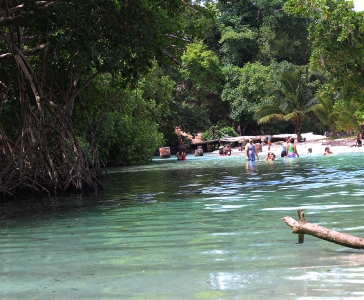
(206, 228)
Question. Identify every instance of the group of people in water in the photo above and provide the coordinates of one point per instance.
(181, 155)
(289, 150)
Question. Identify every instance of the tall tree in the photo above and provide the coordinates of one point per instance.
(51, 51)
(281, 36)
(336, 32)
(244, 89)
(198, 100)
(290, 100)
(238, 32)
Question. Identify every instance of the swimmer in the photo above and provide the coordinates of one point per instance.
(328, 151)
(270, 156)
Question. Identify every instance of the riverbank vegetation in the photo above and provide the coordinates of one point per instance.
(86, 85)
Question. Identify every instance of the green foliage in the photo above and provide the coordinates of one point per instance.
(281, 36)
(216, 132)
(106, 35)
(278, 68)
(349, 115)
(252, 31)
(313, 124)
(207, 136)
(128, 133)
(197, 102)
(126, 140)
(238, 45)
(290, 100)
(201, 67)
(244, 88)
(229, 131)
(324, 109)
(336, 32)
(190, 117)
(157, 90)
(238, 32)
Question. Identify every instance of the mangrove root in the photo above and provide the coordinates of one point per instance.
(302, 227)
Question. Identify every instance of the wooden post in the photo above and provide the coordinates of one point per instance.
(302, 227)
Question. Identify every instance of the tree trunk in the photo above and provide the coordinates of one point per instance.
(298, 131)
(302, 227)
(46, 158)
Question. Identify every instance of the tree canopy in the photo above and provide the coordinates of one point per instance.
(336, 32)
(85, 82)
(291, 99)
(51, 51)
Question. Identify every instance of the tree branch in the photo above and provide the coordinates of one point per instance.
(302, 227)
(27, 52)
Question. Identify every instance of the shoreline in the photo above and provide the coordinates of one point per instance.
(316, 142)
(318, 147)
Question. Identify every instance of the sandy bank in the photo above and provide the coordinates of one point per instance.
(316, 142)
(318, 147)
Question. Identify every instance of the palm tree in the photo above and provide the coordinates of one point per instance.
(325, 112)
(290, 100)
(349, 115)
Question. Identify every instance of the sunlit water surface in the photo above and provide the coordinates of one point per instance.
(206, 228)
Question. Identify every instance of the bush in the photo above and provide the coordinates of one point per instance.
(215, 133)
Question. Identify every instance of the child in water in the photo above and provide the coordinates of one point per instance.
(270, 156)
(328, 151)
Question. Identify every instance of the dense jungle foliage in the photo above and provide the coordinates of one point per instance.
(90, 84)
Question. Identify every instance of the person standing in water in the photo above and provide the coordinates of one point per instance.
(284, 148)
(251, 151)
(291, 149)
(269, 139)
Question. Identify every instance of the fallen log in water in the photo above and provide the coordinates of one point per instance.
(302, 227)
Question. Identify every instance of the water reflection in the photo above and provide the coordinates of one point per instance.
(207, 228)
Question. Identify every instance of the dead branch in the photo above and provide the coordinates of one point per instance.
(28, 52)
(173, 58)
(302, 227)
(12, 10)
(16, 20)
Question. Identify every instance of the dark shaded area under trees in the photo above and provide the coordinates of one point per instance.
(86, 85)
(51, 52)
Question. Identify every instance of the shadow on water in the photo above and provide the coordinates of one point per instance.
(206, 228)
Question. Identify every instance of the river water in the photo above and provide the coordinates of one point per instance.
(206, 228)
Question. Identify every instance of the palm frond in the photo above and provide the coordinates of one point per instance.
(269, 113)
(271, 119)
(291, 99)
